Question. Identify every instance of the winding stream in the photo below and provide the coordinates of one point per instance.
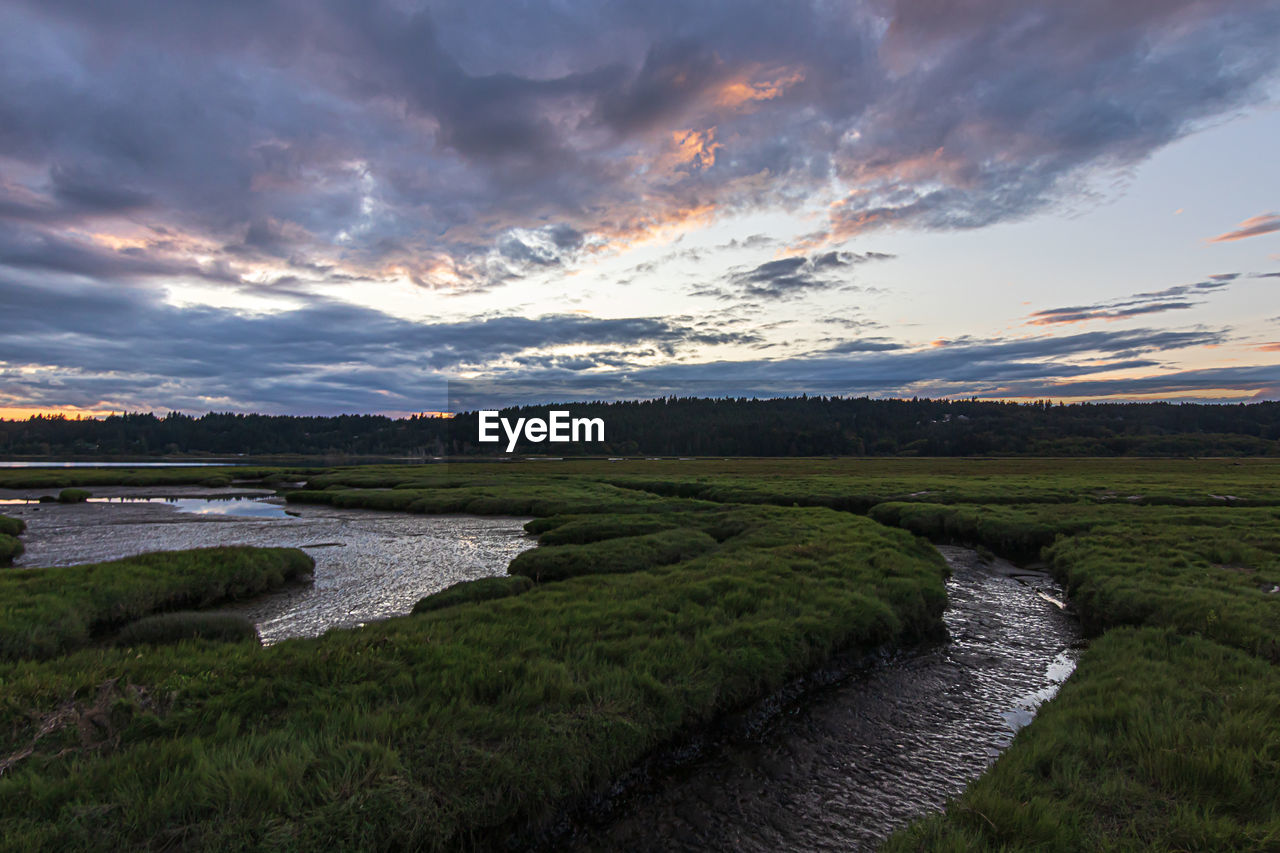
(847, 766)
(839, 770)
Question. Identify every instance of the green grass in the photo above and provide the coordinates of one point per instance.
(1207, 573)
(1204, 571)
(857, 484)
(51, 611)
(10, 545)
(672, 593)
(74, 496)
(623, 554)
(481, 589)
(53, 478)
(182, 625)
(575, 530)
(437, 730)
(523, 496)
(1016, 532)
(1158, 742)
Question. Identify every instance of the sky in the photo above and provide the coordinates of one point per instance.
(355, 206)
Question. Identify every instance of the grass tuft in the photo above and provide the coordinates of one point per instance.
(49, 612)
(482, 589)
(622, 554)
(187, 625)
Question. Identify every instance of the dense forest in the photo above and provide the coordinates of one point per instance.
(796, 426)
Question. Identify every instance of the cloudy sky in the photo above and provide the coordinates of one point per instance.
(337, 205)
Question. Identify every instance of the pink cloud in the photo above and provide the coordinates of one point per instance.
(1251, 227)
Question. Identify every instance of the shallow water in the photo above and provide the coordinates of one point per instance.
(236, 507)
(369, 565)
(848, 765)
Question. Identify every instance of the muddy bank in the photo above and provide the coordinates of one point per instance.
(843, 766)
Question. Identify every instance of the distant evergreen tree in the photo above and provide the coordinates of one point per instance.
(691, 426)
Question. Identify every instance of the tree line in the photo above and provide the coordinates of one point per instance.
(691, 426)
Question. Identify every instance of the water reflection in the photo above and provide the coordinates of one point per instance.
(369, 565)
(234, 507)
(848, 765)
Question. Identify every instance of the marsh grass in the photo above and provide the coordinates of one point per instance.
(10, 544)
(481, 589)
(520, 496)
(620, 554)
(53, 478)
(1018, 533)
(1204, 571)
(1209, 573)
(455, 727)
(451, 728)
(1158, 742)
(187, 625)
(51, 611)
(572, 530)
(74, 496)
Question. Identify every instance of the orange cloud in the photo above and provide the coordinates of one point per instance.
(743, 90)
(696, 148)
(1251, 227)
(1274, 346)
(843, 226)
(652, 228)
(937, 165)
(117, 242)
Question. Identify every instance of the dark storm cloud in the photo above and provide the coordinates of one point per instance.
(437, 127)
(130, 330)
(76, 187)
(464, 145)
(44, 251)
(1247, 380)
(1000, 105)
(1037, 367)
(672, 76)
(127, 347)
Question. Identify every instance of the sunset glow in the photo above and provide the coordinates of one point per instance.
(853, 198)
